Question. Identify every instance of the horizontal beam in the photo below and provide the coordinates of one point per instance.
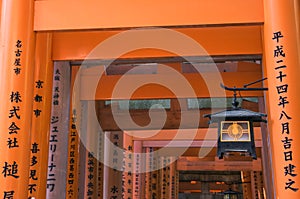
(195, 164)
(170, 85)
(100, 14)
(148, 43)
(204, 153)
(154, 66)
(198, 59)
(180, 119)
(207, 134)
(184, 143)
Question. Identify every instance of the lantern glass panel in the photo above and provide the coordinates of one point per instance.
(235, 131)
(230, 196)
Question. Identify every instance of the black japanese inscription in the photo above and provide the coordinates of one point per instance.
(10, 170)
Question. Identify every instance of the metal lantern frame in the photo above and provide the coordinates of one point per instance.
(236, 116)
(230, 194)
(235, 125)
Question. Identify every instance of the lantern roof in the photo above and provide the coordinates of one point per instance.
(237, 114)
(231, 192)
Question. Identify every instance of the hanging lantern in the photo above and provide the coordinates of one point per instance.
(230, 194)
(235, 129)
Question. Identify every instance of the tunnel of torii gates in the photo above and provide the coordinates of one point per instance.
(62, 61)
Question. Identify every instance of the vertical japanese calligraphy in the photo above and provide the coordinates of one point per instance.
(91, 164)
(284, 118)
(283, 69)
(91, 151)
(127, 181)
(32, 186)
(59, 128)
(18, 55)
(72, 159)
(100, 169)
(15, 99)
(17, 69)
(137, 175)
(73, 146)
(41, 112)
(116, 187)
(10, 169)
(173, 178)
(149, 162)
(154, 175)
(164, 177)
(113, 157)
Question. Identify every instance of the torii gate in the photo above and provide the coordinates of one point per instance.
(35, 33)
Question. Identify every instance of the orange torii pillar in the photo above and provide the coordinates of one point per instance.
(127, 181)
(283, 72)
(16, 94)
(112, 187)
(42, 98)
(73, 146)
